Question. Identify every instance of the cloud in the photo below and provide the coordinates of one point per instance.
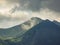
(45, 9)
(18, 16)
(33, 5)
(2, 1)
(54, 5)
(36, 5)
(12, 20)
(47, 14)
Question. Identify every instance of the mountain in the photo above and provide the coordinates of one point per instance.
(19, 29)
(31, 23)
(45, 33)
(58, 23)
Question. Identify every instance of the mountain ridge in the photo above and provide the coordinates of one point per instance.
(19, 29)
(45, 33)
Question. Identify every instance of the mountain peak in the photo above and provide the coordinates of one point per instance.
(47, 20)
(45, 33)
(56, 22)
(33, 18)
(48, 23)
(31, 23)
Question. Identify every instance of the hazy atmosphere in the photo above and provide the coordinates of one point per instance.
(13, 12)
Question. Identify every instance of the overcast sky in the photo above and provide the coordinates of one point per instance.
(13, 12)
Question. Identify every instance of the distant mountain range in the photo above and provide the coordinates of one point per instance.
(36, 32)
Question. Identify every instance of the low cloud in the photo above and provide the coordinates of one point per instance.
(12, 20)
(45, 9)
(35, 5)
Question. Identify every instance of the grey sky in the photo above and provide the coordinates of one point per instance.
(24, 9)
(35, 5)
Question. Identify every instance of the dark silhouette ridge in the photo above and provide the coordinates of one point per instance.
(56, 22)
(45, 33)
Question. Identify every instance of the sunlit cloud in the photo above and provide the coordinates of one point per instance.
(15, 11)
(2, 1)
